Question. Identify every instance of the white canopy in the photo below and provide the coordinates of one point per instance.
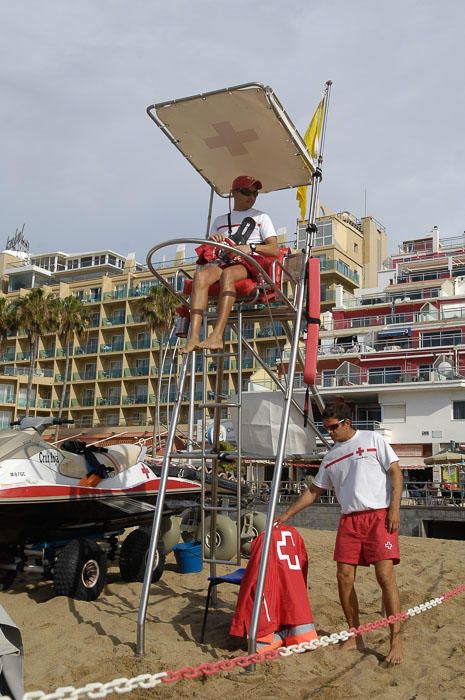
(242, 130)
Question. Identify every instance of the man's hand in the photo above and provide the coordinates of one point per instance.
(217, 237)
(393, 520)
(281, 518)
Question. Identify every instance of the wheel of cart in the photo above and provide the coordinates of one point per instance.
(80, 570)
(134, 553)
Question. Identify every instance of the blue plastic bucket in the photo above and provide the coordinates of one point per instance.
(188, 557)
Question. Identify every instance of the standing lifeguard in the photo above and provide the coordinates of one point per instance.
(364, 472)
(263, 240)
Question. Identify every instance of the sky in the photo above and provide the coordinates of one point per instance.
(84, 168)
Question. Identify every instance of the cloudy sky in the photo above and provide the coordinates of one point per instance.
(84, 168)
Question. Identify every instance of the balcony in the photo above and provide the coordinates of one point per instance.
(135, 399)
(135, 318)
(89, 349)
(87, 376)
(23, 356)
(138, 344)
(44, 403)
(108, 401)
(84, 402)
(137, 371)
(44, 354)
(115, 294)
(112, 347)
(116, 320)
(7, 398)
(110, 373)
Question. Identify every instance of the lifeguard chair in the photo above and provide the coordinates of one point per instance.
(243, 129)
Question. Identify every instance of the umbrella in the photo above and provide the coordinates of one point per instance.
(445, 457)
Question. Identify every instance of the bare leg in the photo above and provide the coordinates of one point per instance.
(387, 580)
(199, 299)
(349, 602)
(226, 299)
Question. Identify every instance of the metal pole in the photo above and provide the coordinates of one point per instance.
(287, 400)
(209, 215)
(140, 646)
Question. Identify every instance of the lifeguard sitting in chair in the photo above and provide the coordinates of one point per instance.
(227, 272)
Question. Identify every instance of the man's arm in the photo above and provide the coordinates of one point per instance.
(270, 248)
(308, 497)
(393, 516)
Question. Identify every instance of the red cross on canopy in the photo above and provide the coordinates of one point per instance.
(145, 470)
(231, 139)
(360, 451)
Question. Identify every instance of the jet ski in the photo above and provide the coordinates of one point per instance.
(54, 497)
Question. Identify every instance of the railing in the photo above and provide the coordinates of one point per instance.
(115, 294)
(135, 399)
(110, 373)
(383, 376)
(341, 268)
(25, 371)
(138, 345)
(136, 371)
(44, 403)
(113, 320)
(89, 349)
(86, 402)
(89, 375)
(7, 398)
(135, 318)
(112, 347)
(108, 401)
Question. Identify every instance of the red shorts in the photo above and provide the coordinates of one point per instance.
(362, 538)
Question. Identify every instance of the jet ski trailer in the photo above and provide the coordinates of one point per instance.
(53, 522)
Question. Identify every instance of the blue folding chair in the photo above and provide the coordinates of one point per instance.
(235, 577)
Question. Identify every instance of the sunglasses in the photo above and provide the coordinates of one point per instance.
(334, 426)
(246, 192)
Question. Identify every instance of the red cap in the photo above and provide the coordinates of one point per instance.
(247, 182)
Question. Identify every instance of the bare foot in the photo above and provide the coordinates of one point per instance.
(396, 652)
(191, 345)
(352, 644)
(211, 343)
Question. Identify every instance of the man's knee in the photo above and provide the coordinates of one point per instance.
(345, 575)
(385, 573)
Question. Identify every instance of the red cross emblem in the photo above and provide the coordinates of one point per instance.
(360, 451)
(230, 139)
(145, 470)
(285, 556)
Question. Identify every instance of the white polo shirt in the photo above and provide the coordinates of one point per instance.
(357, 471)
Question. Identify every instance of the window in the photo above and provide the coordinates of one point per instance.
(99, 260)
(383, 375)
(323, 236)
(328, 377)
(87, 261)
(458, 410)
(438, 338)
(112, 259)
(394, 413)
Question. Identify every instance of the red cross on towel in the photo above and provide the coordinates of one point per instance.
(230, 139)
(360, 451)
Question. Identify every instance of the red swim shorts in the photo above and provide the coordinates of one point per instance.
(362, 538)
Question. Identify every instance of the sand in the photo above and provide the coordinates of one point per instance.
(70, 642)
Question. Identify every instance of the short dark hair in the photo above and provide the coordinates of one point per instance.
(338, 410)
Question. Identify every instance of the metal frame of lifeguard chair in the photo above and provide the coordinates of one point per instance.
(294, 312)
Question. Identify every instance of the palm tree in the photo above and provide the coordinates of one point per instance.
(73, 319)
(6, 320)
(35, 314)
(158, 309)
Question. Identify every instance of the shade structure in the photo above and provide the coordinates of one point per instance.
(242, 130)
(446, 457)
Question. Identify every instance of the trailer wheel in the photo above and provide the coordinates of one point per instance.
(226, 537)
(170, 532)
(7, 576)
(133, 557)
(256, 525)
(80, 570)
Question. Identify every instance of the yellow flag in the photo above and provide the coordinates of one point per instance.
(312, 141)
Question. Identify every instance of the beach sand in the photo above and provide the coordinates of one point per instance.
(69, 642)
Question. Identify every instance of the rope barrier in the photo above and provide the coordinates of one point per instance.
(96, 690)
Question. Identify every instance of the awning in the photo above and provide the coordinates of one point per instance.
(412, 463)
(237, 130)
(395, 333)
